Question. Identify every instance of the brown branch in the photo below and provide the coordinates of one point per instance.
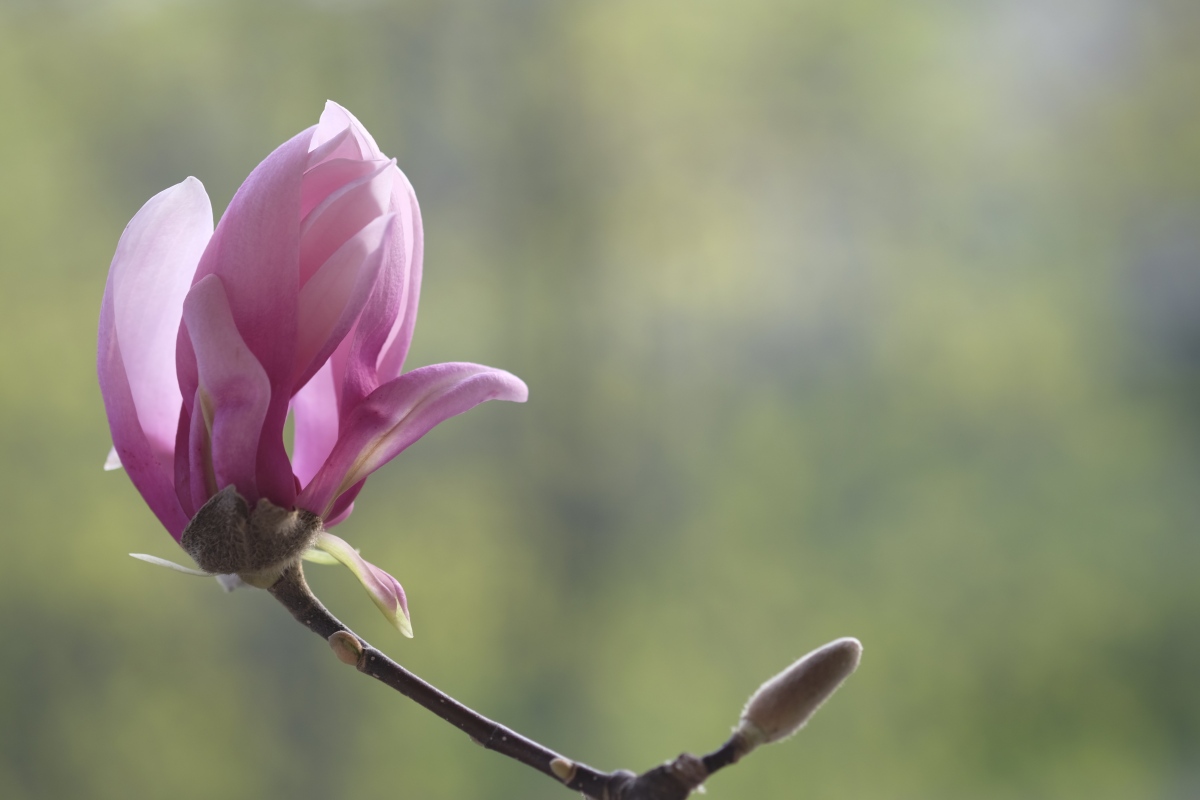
(674, 780)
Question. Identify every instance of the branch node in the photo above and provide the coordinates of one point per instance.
(563, 769)
(347, 647)
(689, 769)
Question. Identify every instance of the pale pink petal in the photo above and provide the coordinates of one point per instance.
(399, 413)
(391, 360)
(340, 144)
(334, 120)
(341, 215)
(385, 591)
(322, 180)
(193, 461)
(255, 251)
(133, 449)
(234, 389)
(183, 464)
(333, 298)
(315, 413)
(150, 275)
(383, 334)
(150, 272)
(343, 507)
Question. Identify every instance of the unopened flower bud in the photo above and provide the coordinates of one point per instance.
(783, 704)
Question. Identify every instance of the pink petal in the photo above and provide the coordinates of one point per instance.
(322, 180)
(315, 411)
(183, 465)
(338, 515)
(385, 591)
(340, 144)
(234, 389)
(341, 215)
(143, 298)
(399, 413)
(334, 120)
(344, 504)
(202, 480)
(150, 275)
(383, 334)
(255, 252)
(333, 298)
(391, 360)
(133, 448)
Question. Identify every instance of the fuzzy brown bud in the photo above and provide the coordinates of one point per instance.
(783, 704)
(227, 537)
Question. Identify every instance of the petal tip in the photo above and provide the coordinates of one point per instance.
(520, 390)
(171, 565)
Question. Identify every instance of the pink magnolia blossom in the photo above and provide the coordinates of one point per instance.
(302, 300)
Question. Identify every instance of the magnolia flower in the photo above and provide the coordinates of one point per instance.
(302, 301)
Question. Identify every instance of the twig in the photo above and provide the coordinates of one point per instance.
(674, 780)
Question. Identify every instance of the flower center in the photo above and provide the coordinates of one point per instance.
(227, 537)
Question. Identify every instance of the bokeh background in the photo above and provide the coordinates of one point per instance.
(839, 317)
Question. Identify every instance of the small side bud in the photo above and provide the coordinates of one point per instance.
(346, 647)
(563, 769)
(783, 704)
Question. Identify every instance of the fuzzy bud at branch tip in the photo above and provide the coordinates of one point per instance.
(783, 704)
(346, 647)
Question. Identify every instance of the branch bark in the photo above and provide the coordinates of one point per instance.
(674, 780)
(779, 708)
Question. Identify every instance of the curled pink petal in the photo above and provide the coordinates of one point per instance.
(327, 177)
(385, 591)
(234, 389)
(391, 360)
(341, 215)
(255, 251)
(384, 333)
(339, 145)
(336, 120)
(399, 413)
(334, 297)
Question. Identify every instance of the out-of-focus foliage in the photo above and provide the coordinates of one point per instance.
(839, 318)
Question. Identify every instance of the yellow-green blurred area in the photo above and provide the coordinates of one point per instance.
(839, 317)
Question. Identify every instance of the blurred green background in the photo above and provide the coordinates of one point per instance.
(839, 317)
